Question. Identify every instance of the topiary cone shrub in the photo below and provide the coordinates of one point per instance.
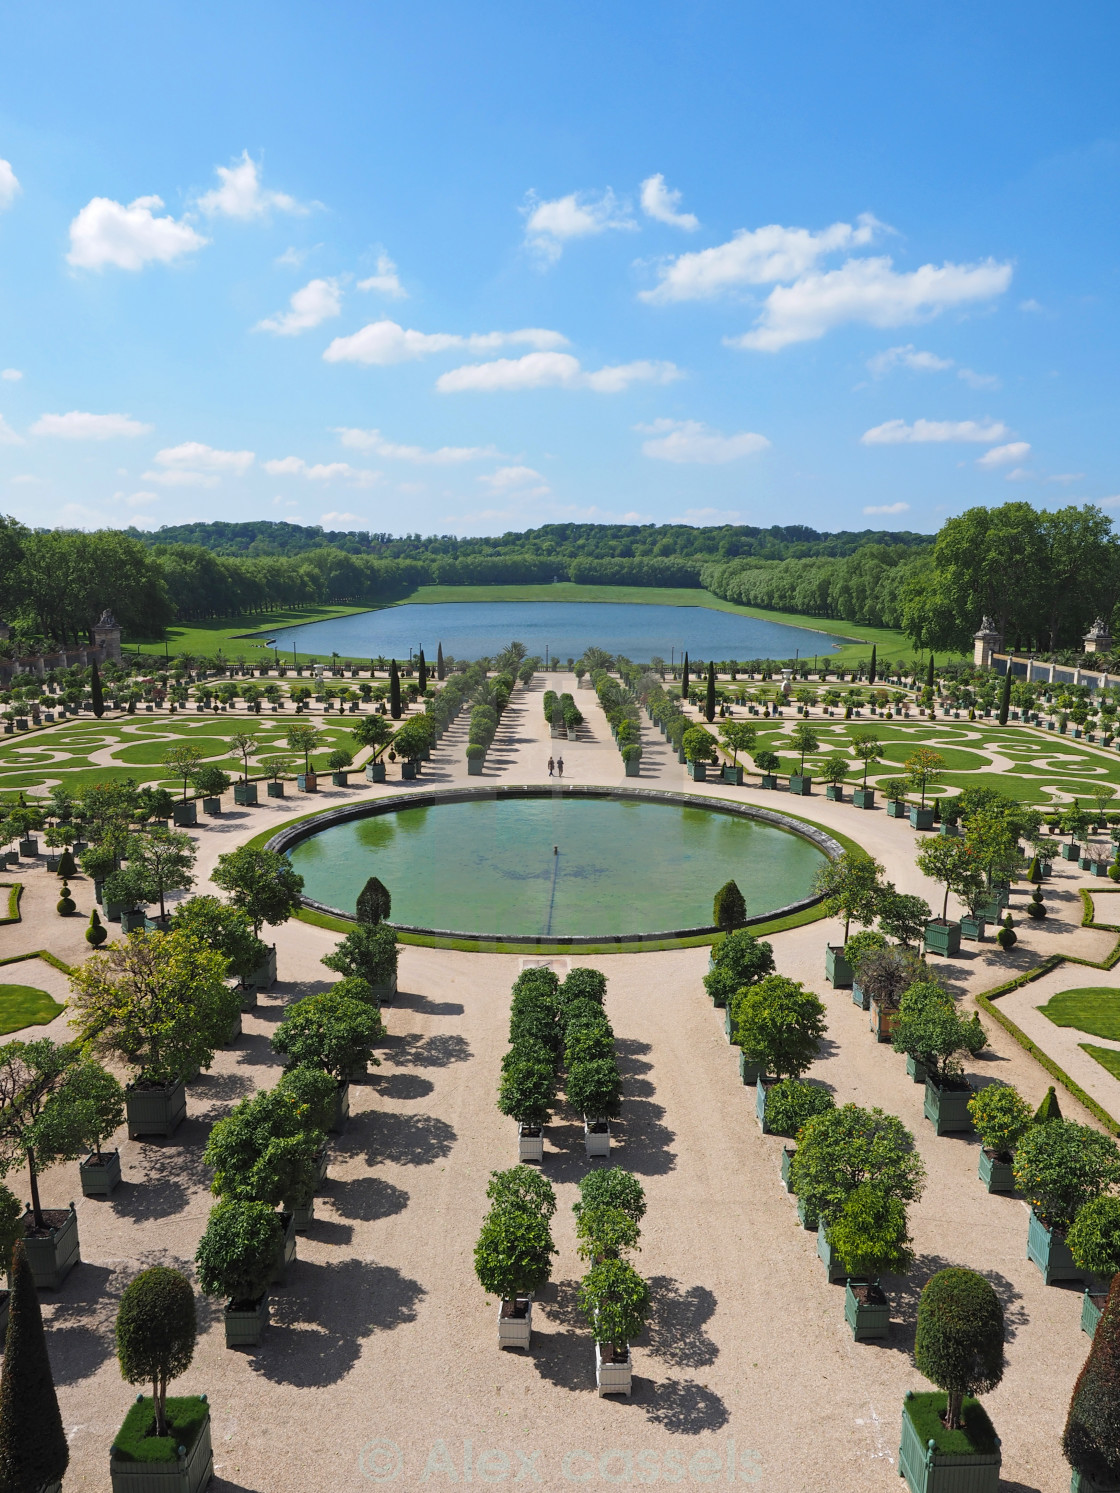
(959, 1340)
(95, 933)
(1036, 907)
(1091, 1441)
(33, 1449)
(66, 865)
(374, 902)
(1049, 1109)
(66, 904)
(1007, 938)
(157, 1327)
(729, 909)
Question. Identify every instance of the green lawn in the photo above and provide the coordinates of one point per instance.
(1094, 1009)
(23, 1005)
(1108, 1057)
(229, 633)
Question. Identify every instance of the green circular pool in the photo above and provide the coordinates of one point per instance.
(552, 866)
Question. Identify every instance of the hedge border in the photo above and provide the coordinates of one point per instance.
(44, 954)
(15, 892)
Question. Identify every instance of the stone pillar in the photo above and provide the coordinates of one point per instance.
(985, 642)
(107, 637)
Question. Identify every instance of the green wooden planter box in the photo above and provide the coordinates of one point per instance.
(947, 1109)
(761, 1089)
(897, 808)
(248, 994)
(375, 772)
(860, 997)
(748, 1072)
(264, 976)
(1092, 1309)
(99, 1178)
(191, 1471)
(768, 780)
(212, 807)
(920, 818)
(869, 1320)
(286, 1250)
(996, 1175)
(974, 928)
(863, 798)
(307, 782)
(303, 1216)
(927, 1470)
(943, 938)
(801, 784)
(788, 1153)
(698, 772)
(633, 768)
(234, 1032)
(185, 814)
(727, 1022)
(245, 795)
(828, 1257)
(474, 766)
(340, 779)
(341, 1109)
(1071, 852)
(809, 1219)
(837, 970)
(385, 991)
(274, 790)
(733, 775)
(834, 793)
(245, 1326)
(916, 1070)
(1050, 1252)
(1080, 1483)
(157, 1111)
(322, 1161)
(132, 921)
(53, 1256)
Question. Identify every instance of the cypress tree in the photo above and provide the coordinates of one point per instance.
(394, 691)
(1005, 699)
(729, 909)
(422, 680)
(710, 697)
(1091, 1441)
(33, 1449)
(374, 902)
(874, 659)
(684, 679)
(440, 670)
(1049, 1108)
(67, 866)
(97, 698)
(929, 673)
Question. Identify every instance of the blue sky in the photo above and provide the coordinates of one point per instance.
(451, 268)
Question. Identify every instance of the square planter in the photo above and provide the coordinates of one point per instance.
(375, 772)
(973, 928)
(1071, 852)
(52, 862)
(303, 1216)
(340, 779)
(897, 809)
(996, 1175)
(307, 782)
(596, 1138)
(29, 848)
(474, 767)
(698, 772)
(100, 1177)
(154, 1111)
(828, 1257)
(733, 775)
(1080, 1483)
(947, 1109)
(530, 1143)
(883, 1021)
(1092, 1309)
(837, 970)
(920, 818)
(727, 1031)
(633, 768)
(834, 793)
(943, 938)
(264, 976)
(248, 994)
(927, 1470)
(190, 1472)
(54, 1254)
(860, 997)
(409, 770)
(286, 1250)
(185, 814)
(1050, 1252)
(212, 807)
(864, 798)
(866, 1311)
(800, 784)
(245, 795)
(949, 832)
(1085, 862)
(916, 1070)
(612, 1377)
(385, 992)
(768, 780)
(234, 1032)
(515, 1323)
(132, 921)
(748, 1072)
(244, 1324)
(341, 1109)
(761, 1089)
(809, 1219)
(322, 1161)
(274, 790)
(788, 1153)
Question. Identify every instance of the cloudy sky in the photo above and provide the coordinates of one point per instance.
(464, 268)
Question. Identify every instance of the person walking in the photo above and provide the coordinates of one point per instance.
(560, 766)
(551, 766)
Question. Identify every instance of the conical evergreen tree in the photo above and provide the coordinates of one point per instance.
(441, 672)
(710, 696)
(1005, 699)
(874, 664)
(422, 679)
(684, 679)
(930, 673)
(33, 1450)
(394, 691)
(96, 696)
(1048, 1109)
(1091, 1442)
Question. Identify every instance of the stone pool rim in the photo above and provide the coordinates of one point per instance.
(304, 829)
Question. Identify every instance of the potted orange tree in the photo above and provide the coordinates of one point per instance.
(513, 1255)
(1001, 1116)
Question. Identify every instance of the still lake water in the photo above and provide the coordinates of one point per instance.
(479, 629)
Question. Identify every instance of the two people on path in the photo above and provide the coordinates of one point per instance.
(557, 766)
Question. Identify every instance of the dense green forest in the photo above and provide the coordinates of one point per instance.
(1042, 576)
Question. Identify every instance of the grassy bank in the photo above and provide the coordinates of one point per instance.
(204, 639)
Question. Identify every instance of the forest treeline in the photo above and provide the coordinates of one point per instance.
(1043, 576)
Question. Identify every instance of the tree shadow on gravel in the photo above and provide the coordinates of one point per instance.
(171, 1174)
(680, 1406)
(80, 1328)
(401, 1085)
(368, 1198)
(676, 1324)
(218, 1088)
(647, 1140)
(407, 1002)
(407, 1140)
(437, 1051)
(904, 1292)
(317, 1326)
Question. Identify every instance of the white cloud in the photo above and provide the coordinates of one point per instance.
(888, 508)
(340, 518)
(692, 441)
(107, 232)
(870, 291)
(295, 466)
(521, 479)
(373, 440)
(1002, 456)
(240, 194)
(1113, 502)
(898, 433)
(659, 202)
(80, 426)
(976, 380)
(385, 342)
(142, 499)
(9, 184)
(176, 477)
(548, 370)
(907, 356)
(11, 375)
(1066, 477)
(9, 437)
(293, 258)
(315, 302)
(386, 281)
(1030, 305)
(200, 458)
(756, 256)
(549, 225)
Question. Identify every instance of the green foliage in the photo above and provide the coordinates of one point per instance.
(699, 745)
(975, 1435)
(931, 1030)
(313, 1093)
(65, 904)
(260, 882)
(1001, 1115)
(737, 736)
(615, 1300)
(803, 739)
(767, 762)
(903, 915)
(237, 1253)
(522, 1187)
(527, 1091)
(1094, 1238)
(33, 1449)
(82, 1114)
(860, 945)
(211, 781)
(1060, 1166)
(842, 1148)
(374, 902)
(958, 1344)
(849, 887)
(611, 1187)
(778, 1024)
(513, 1255)
(1091, 1440)
(135, 1441)
(67, 867)
(329, 1032)
(791, 1103)
(605, 1233)
(369, 951)
(836, 769)
(263, 1151)
(584, 984)
(228, 930)
(11, 1227)
(923, 767)
(1049, 1109)
(594, 1088)
(95, 933)
(871, 1234)
(157, 1327)
(738, 960)
(951, 862)
(354, 988)
(729, 909)
(588, 1041)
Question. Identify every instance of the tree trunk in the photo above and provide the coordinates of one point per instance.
(953, 1410)
(159, 1400)
(36, 1205)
